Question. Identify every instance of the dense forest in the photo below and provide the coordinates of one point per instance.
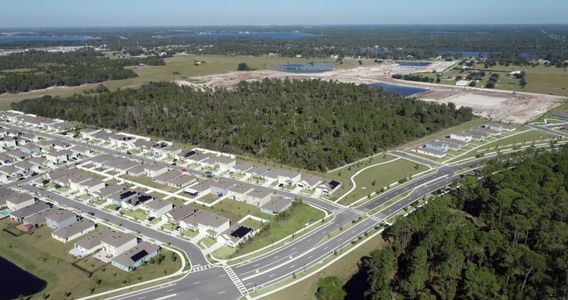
(504, 236)
(22, 72)
(313, 124)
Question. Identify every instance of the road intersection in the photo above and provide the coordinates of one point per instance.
(221, 281)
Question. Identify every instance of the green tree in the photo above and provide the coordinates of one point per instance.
(329, 288)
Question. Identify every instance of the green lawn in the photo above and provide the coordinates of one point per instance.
(112, 207)
(207, 242)
(224, 252)
(138, 214)
(149, 182)
(375, 178)
(252, 223)
(189, 234)
(231, 209)
(540, 79)
(48, 259)
(300, 215)
(209, 198)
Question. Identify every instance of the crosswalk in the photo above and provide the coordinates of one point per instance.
(238, 283)
(199, 268)
(359, 212)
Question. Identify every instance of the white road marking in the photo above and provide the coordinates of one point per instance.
(221, 293)
(197, 282)
(166, 297)
(170, 290)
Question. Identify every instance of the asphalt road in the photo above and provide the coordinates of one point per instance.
(306, 251)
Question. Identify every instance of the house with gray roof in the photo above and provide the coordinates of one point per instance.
(135, 256)
(36, 208)
(206, 222)
(73, 231)
(277, 205)
(60, 218)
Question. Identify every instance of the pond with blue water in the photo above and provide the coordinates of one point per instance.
(404, 91)
(16, 282)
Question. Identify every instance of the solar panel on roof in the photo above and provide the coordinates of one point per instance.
(138, 256)
(241, 231)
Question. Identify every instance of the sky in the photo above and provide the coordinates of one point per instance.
(71, 13)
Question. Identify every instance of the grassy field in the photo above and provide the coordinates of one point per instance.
(233, 210)
(300, 216)
(343, 269)
(374, 178)
(540, 79)
(180, 67)
(49, 260)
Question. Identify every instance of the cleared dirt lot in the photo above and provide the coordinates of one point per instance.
(505, 106)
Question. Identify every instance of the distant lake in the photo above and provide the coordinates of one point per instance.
(43, 38)
(295, 35)
(404, 91)
(15, 281)
(317, 67)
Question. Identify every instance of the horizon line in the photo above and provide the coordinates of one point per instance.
(279, 25)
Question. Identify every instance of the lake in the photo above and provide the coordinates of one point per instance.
(15, 281)
(317, 67)
(404, 91)
(43, 38)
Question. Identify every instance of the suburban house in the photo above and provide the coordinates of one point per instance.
(10, 170)
(135, 256)
(119, 197)
(114, 243)
(310, 182)
(118, 242)
(242, 167)
(238, 191)
(257, 197)
(73, 231)
(454, 144)
(109, 190)
(257, 172)
(138, 199)
(276, 205)
(463, 136)
(205, 222)
(59, 156)
(431, 152)
(157, 208)
(37, 220)
(175, 178)
(26, 166)
(31, 149)
(60, 218)
(122, 140)
(179, 212)
(34, 209)
(328, 187)
(437, 145)
(15, 200)
(137, 171)
(155, 170)
(283, 176)
(222, 162)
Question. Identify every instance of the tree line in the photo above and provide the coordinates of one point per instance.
(313, 124)
(22, 72)
(504, 236)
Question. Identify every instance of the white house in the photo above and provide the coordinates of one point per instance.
(157, 208)
(206, 222)
(461, 136)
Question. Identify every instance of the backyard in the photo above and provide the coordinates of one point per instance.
(49, 260)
